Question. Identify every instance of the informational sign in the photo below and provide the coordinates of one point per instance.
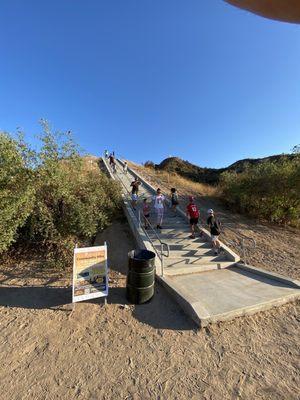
(90, 273)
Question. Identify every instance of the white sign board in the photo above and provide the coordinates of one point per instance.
(90, 273)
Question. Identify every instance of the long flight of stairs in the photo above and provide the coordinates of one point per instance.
(187, 256)
(208, 287)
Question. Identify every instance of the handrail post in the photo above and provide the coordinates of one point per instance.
(162, 259)
(244, 251)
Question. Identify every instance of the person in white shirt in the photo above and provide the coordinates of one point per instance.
(159, 200)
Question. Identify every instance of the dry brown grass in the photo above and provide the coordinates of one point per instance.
(183, 185)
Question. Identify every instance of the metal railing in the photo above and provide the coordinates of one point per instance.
(242, 243)
(163, 245)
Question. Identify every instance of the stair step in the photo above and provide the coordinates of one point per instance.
(176, 230)
(185, 240)
(194, 260)
(179, 236)
(185, 245)
(171, 227)
(186, 269)
(196, 252)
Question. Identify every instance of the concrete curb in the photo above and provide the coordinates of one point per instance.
(249, 310)
(269, 274)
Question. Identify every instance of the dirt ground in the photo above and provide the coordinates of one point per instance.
(120, 351)
(277, 248)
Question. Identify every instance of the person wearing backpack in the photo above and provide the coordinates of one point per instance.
(174, 201)
(193, 213)
(215, 230)
(135, 186)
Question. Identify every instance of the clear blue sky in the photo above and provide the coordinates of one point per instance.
(197, 79)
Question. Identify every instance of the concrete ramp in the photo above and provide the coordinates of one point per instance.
(208, 287)
(219, 295)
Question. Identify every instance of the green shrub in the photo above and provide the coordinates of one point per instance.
(270, 190)
(16, 189)
(67, 199)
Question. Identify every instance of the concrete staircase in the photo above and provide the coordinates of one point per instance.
(187, 255)
(208, 287)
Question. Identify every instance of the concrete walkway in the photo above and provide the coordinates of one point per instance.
(208, 287)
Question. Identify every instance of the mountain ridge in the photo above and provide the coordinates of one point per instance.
(211, 175)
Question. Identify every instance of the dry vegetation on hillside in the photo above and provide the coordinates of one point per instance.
(168, 180)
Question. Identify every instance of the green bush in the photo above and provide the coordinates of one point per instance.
(16, 189)
(270, 190)
(69, 199)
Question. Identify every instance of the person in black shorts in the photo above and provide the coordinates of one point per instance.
(215, 230)
(174, 200)
(193, 213)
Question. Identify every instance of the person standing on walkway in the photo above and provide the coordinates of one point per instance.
(125, 167)
(106, 153)
(146, 213)
(215, 230)
(192, 213)
(174, 201)
(135, 186)
(159, 200)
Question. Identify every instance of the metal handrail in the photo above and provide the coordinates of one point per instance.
(154, 231)
(247, 247)
(242, 245)
(162, 244)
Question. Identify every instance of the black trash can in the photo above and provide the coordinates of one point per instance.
(141, 276)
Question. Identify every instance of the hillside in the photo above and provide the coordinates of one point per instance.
(211, 175)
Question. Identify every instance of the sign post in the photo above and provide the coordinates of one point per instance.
(90, 273)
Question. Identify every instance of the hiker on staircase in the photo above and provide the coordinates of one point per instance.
(215, 230)
(159, 200)
(135, 186)
(112, 162)
(174, 201)
(192, 212)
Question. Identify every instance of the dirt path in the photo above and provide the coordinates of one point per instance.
(142, 352)
(277, 248)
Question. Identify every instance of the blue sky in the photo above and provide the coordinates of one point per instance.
(196, 79)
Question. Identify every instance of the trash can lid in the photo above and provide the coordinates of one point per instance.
(141, 254)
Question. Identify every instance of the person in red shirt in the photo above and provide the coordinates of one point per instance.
(193, 213)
